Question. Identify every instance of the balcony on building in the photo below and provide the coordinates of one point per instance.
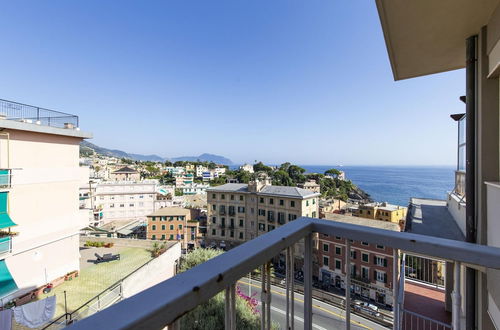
(154, 309)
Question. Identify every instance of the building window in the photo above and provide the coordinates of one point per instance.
(262, 212)
(282, 202)
(231, 233)
(171, 227)
(163, 227)
(325, 247)
(365, 243)
(153, 237)
(380, 276)
(222, 232)
(111, 205)
(338, 264)
(261, 200)
(241, 235)
(270, 215)
(162, 237)
(313, 214)
(222, 196)
(171, 237)
(153, 227)
(131, 204)
(214, 220)
(271, 201)
(122, 205)
(270, 227)
(241, 197)
(180, 226)
(365, 257)
(360, 211)
(381, 247)
(353, 254)
(314, 201)
(380, 261)
(241, 222)
(338, 250)
(325, 261)
(292, 217)
(307, 203)
(365, 273)
(213, 232)
(214, 207)
(292, 203)
(338, 238)
(213, 196)
(262, 227)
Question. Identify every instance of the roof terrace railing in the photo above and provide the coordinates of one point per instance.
(31, 114)
(165, 303)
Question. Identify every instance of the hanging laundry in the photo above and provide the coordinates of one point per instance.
(37, 313)
(6, 319)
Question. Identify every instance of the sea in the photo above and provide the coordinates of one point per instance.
(396, 184)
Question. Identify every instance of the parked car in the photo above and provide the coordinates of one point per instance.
(366, 308)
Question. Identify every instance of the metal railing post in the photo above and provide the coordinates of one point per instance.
(456, 297)
(268, 296)
(348, 284)
(292, 288)
(230, 307)
(308, 282)
(287, 282)
(395, 287)
(263, 296)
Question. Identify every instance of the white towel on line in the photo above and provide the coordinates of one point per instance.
(6, 319)
(37, 313)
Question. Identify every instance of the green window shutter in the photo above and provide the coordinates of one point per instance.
(5, 220)
(7, 284)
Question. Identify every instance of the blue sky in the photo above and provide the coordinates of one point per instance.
(302, 81)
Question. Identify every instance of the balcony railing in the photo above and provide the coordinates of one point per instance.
(36, 115)
(5, 178)
(5, 245)
(165, 303)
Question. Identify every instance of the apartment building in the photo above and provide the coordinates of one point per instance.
(247, 167)
(124, 199)
(199, 170)
(184, 179)
(311, 185)
(174, 224)
(381, 211)
(39, 213)
(371, 264)
(125, 174)
(470, 39)
(241, 212)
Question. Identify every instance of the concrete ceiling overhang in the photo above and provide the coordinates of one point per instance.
(428, 36)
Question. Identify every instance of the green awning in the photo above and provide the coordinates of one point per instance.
(5, 220)
(7, 284)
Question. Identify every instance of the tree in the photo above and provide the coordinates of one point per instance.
(296, 173)
(97, 168)
(281, 178)
(127, 161)
(210, 315)
(211, 165)
(332, 172)
(260, 167)
(178, 192)
(168, 163)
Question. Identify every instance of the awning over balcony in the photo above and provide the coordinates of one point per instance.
(428, 36)
(7, 284)
(5, 220)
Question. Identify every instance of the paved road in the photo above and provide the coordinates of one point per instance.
(325, 316)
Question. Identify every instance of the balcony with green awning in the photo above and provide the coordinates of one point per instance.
(7, 283)
(5, 220)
